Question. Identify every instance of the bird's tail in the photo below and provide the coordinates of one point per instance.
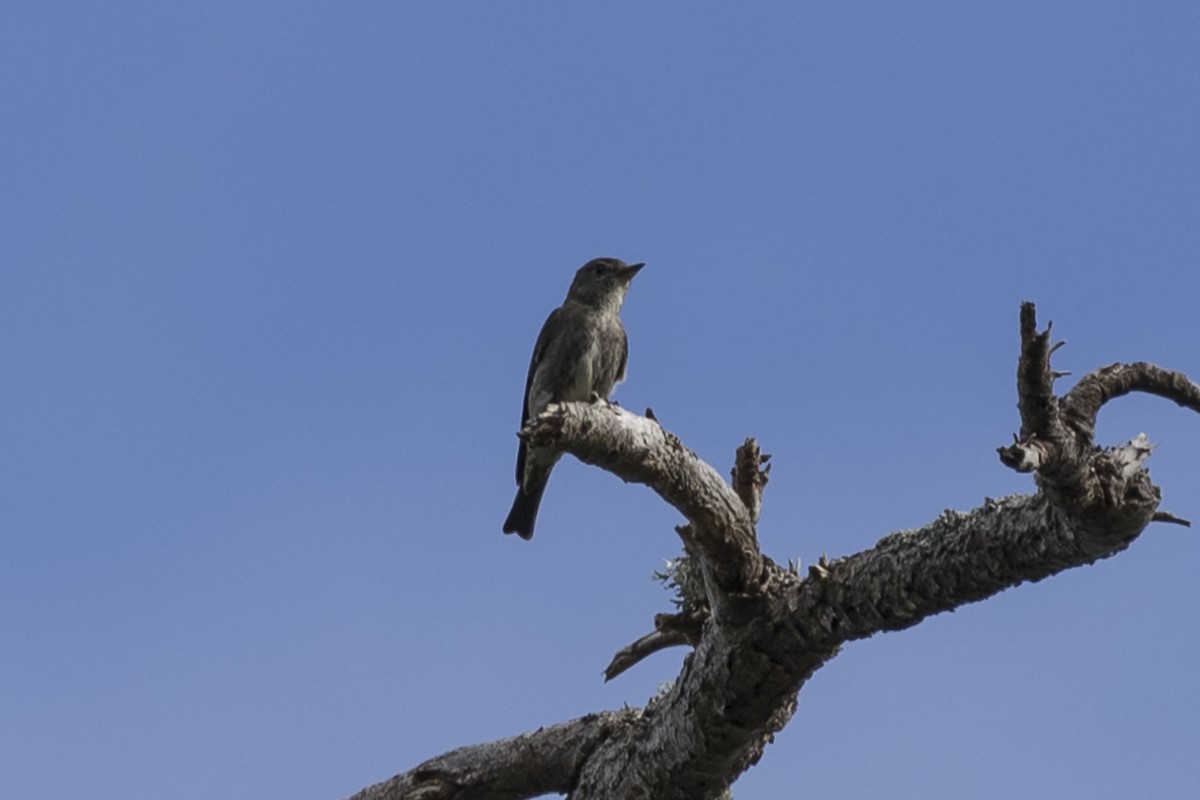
(524, 510)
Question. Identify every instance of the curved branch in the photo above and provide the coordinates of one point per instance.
(670, 630)
(638, 449)
(1083, 402)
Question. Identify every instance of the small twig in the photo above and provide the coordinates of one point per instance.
(1167, 516)
(1025, 456)
(672, 630)
(750, 477)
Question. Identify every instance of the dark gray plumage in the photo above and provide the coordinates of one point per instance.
(581, 351)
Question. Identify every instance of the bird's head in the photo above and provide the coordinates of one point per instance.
(602, 282)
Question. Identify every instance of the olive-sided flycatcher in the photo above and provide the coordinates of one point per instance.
(581, 351)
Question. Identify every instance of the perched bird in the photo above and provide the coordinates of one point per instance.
(581, 351)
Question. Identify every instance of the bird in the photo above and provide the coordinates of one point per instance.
(580, 353)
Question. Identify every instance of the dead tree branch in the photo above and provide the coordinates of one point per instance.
(637, 449)
(769, 629)
(547, 760)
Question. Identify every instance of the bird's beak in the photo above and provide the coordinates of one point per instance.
(631, 270)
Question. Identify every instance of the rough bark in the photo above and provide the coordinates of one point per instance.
(761, 630)
(547, 760)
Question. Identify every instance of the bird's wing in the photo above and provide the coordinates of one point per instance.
(623, 357)
(548, 332)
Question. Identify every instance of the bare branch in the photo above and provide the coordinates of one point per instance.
(1056, 438)
(750, 476)
(1083, 402)
(547, 760)
(642, 648)
(740, 685)
(1166, 516)
(769, 630)
(959, 558)
(671, 630)
(1035, 380)
(638, 449)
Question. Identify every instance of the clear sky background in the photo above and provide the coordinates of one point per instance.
(271, 274)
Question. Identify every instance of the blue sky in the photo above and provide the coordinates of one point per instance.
(270, 278)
